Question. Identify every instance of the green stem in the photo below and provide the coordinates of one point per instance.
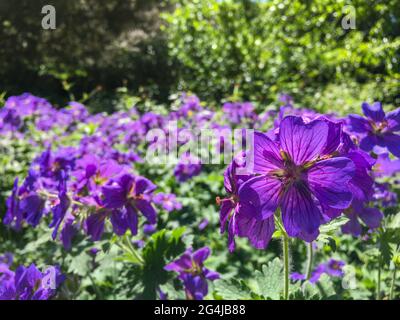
(378, 285)
(285, 239)
(310, 258)
(393, 284)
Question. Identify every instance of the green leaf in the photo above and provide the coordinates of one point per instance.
(161, 249)
(232, 290)
(269, 281)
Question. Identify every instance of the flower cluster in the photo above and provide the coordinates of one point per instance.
(193, 274)
(333, 268)
(308, 170)
(27, 283)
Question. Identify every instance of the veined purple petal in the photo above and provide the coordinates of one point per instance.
(259, 232)
(147, 210)
(392, 142)
(94, 225)
(259, 196)
(143, 186)
(368, 142)
(132, 219)
(359, 124)
(373, 111)
(226, 208)
(303, 142)
(329, 179)
(200, 255)
(361, 184)
(393, 119)
(266, 154)
(299, 212)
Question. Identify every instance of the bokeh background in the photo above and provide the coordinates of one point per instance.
(254, 49)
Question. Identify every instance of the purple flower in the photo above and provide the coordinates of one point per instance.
(295, 176)
(29, 283)
(383, 195)
(385, 167)
(167, 201)
(240, 222)
(192, 272)
(333, 268)
(123, 198)
(237, 112)
(377, 128)
(188, 167)
(370, 216)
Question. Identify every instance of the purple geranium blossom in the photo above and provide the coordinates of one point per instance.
(240, 222)
(167, 201)
(125, 197)
(377, 128)
(333, 268)
(296, 177)
(385, 167)
(370, 216)
(29, 283)
(188, 167)
(192, 272)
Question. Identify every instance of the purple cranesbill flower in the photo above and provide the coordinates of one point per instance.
(91, 173)
(190, 105)
(191, 270)
(60, 210)
(385, 167)
(167, 201)
(187, 167)
(377, 128)
(383, 195)
(237, 112)
(126, 196)
(28, 283)
(7, 259)
(296, 177)
(372, 217)
(333, 268)
(240, 222)
(13, 216)
(295, 276)
(24, 204)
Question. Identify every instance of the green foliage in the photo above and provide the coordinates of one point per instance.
(266, 284)
(261, 48)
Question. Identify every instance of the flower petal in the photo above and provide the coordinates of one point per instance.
(200, 255)
(329, 179)
(359, 124)
(303, 142)
(259, 197)
(373, 111)
(392, 142)
(266, 154)
(393, 119)
(259, 232)
(299, 212)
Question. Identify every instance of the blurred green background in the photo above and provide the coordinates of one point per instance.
(213, 48)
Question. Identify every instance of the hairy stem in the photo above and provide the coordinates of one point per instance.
(285, 239)
(310, 258)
